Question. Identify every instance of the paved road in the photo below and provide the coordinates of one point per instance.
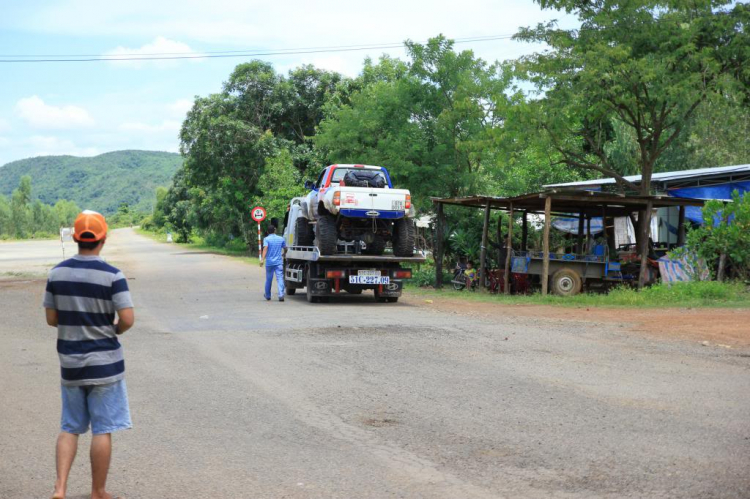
(361, 400)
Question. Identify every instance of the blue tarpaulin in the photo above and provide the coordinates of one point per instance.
(570, 225)
(719, 191)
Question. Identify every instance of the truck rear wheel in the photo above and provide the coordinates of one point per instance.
(326, 234)
(303, 234)
(566, 282)
(403, 237)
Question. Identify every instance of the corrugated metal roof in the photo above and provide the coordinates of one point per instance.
(662, 177)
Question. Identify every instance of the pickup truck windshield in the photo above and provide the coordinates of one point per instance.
(339, 173)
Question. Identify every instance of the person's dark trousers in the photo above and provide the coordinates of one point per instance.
(278, 271)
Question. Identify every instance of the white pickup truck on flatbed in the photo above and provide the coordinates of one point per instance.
(349, 269)
(356, 204)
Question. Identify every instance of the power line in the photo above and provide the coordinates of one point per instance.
(224, 54)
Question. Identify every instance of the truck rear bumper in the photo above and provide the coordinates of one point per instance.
(379, 214)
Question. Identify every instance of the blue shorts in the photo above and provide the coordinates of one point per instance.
(104, 406)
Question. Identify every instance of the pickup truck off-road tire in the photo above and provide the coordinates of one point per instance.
(303, 233)
(289, 290)
(326, 234)
(403, 237)
(566, 282)
(377, 247)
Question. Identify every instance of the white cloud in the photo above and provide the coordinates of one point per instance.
(180, 107)
(4, 126)
(39, 145)
(41, 115)
(164, 126)
(160, 45)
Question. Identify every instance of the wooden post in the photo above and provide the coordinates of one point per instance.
(483, 253)
(681, 227)
(545, 243)
(579, 241)
(439, 246)
(499, 239)
(525, 233)
(644, 225)
(508, 251)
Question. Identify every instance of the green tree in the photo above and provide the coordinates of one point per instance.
(6, 219)
(21, 216)
(724, 238)
(66, 211)
(645, 66)
(158, 217)
(431, 120)
(279, 183)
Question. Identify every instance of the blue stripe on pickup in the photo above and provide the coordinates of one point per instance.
(384, 214)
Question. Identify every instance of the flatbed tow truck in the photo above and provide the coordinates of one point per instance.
(348, 270)
(324, 276)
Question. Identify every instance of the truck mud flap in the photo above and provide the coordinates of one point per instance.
(319, 286)
(392, 289)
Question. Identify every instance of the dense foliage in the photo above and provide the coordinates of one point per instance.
(724, 238)
(641, 86)
(101, 183)
(23, 217)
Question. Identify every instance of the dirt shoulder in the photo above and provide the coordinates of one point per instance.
(720, 327)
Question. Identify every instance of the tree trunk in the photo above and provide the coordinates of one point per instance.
(722, 266)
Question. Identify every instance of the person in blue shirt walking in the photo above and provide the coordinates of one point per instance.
(274, 250)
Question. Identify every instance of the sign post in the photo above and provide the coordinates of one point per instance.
(259, 214)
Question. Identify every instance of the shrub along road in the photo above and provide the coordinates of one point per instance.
(236, 397)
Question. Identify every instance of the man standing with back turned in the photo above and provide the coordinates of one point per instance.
(274, 249)
(83, 294)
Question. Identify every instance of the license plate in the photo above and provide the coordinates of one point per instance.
(369, 273)
(397, 205)
(369, 279)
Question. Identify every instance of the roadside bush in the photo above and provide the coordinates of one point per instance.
(724, 238)
(425, 276)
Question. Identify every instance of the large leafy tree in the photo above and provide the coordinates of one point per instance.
(228, 137)
(429, 119)
(638, 67)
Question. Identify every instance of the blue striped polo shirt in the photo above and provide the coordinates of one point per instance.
(86, 292)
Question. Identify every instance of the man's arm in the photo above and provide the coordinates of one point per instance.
(263, 255)
(51, 316)
(126, 319)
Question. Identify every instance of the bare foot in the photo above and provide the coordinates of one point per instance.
(59, 493)
(106, 495)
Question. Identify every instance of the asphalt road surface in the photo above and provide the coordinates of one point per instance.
(236, 397)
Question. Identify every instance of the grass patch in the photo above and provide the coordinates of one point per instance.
(682, 295)
(235, 249)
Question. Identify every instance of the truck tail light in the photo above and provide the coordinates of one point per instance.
(335, 274)
(402, 274)
(337, 198)
(407, 204)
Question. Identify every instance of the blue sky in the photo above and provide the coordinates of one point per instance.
(87, 108)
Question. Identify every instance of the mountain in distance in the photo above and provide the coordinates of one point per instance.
(99, 183)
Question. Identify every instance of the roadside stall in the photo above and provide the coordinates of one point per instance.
(590, 262)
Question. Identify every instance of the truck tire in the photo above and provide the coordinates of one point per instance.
(326, 234)
(566, 282)
(303, 234)
(377, 247)
(403, 237)
(289, 290)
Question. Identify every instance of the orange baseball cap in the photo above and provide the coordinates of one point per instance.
(90, 221)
